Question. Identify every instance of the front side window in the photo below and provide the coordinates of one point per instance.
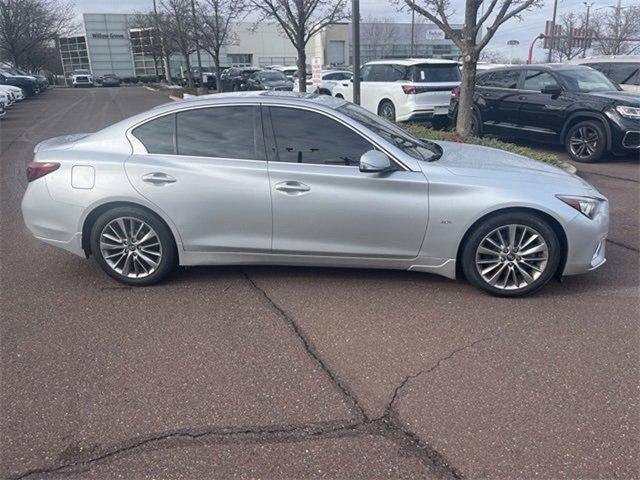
(158, 135)
(220, 132)
(308, 137)
(537, 80)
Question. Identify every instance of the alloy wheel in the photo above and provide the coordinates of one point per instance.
(584, 142)
(512, 257)
(387, 112)
(131, 247)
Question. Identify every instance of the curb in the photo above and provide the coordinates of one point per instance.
(175, 98)
(151, 89)
(567, 167)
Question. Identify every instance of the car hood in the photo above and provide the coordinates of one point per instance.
(485, 162)
(59, 143)
(627, 98)
(25, 77)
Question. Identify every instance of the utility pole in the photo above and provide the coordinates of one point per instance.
(413, 37)
(200, 89)
(586, 29)
(355, 33)
(166, 62)
(553, 29)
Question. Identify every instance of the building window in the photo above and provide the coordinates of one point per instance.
(146, 52)
(240, 59)
(73, 53)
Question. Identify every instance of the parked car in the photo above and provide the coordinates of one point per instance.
(575, 106)
(330, 79)
(41, 80)
(16, 92)
(209, 77)
(28, 85)
(4, 103)
(268, 80)
(621, 69)
(110, 80)
(81, 78)
(279, 178)
(402, 90)
(235, 79)
(289, 71)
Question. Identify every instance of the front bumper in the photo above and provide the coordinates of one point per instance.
(586, 242)
(625, 133)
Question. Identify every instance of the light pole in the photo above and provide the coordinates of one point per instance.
(553, 29)
(413, 26)
(355, 33)
(512, 43)
(586, 29)
(200, 89)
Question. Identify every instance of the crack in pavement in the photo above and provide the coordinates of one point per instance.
(387, 426)
(623, 245)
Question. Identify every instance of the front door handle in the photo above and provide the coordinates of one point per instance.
(158, 178)
(522, 97)
(292, 188)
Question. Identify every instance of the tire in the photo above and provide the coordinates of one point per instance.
(439, 123)
(476, 125)
(135, 264)
(586, 141)
(499, 272)
(339, 95)
(387, 111)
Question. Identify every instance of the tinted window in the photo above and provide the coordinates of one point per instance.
(365, 73)
(624, 73)
(536, 80)
(157, 136)
(392, 73)
(503, 79)
(435, 73)
(585, 80)
(308, 137)
(225, 132)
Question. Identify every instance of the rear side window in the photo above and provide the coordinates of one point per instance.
(221, 132)
(502, 79)
(435, 73)
(158, 135)
(536, 80)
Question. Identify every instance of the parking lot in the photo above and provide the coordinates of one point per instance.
(281, 372)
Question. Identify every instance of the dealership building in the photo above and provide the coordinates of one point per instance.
(111, 43)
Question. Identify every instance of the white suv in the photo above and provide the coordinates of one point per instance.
(402, 90)
(621, 69)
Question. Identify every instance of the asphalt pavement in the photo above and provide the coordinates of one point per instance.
(281, 372)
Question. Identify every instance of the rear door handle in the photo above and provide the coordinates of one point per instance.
(292, 188)
(158, 178)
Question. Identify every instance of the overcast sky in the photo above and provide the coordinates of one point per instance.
(523, 31)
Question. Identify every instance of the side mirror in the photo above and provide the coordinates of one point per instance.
(551, 90)
(375, 161)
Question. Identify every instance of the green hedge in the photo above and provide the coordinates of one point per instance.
(421, 131)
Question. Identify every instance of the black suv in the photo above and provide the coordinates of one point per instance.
(235, 79)
(572, 105)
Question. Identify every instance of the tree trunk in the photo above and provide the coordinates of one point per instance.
(302, 67)
(188, 61)
(465, 101)
(166, 65)
(216, 61)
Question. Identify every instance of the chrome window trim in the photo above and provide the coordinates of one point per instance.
(139, 149)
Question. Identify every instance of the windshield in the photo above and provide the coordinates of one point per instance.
(418, 149)
(586, 80)
(272, 76)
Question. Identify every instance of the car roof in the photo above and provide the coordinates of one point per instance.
(607, 59)
(412, 61)
(537, 66)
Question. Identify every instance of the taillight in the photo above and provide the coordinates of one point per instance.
(408, 89)
(455, 93)
(36, 170)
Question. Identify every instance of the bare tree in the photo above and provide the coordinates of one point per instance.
(30, 26)
(177, 28)
(617, 31)
(149, 42)
(566, 47)
(379, 34)
(301, 20)
(216, 27)
(469, 41)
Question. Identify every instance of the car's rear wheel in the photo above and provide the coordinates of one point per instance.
(133, 246)
(511, 254)
(339, 95)
(387, 111)
(586, 141)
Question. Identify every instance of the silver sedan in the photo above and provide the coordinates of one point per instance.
(275, 178)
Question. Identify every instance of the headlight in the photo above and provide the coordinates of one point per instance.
(588, 206)
(629, 112)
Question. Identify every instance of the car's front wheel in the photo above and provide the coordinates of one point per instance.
(586, 141)
(133, 246)
(511, 254)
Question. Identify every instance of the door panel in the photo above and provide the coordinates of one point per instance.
(206, 169)
(324, 205)
(541, 111)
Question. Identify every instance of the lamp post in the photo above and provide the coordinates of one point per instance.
(355, 25)
(512, 43)
(553, 29)
(586, 28)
